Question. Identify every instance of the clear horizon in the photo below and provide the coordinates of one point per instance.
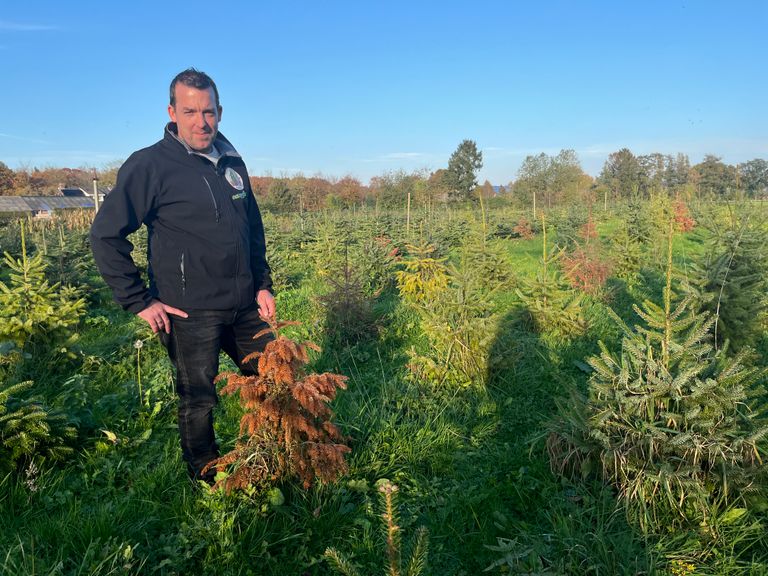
(353, 89)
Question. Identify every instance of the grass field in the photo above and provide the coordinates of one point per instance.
(469, 459)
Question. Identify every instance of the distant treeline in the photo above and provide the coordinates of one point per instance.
(551, 180)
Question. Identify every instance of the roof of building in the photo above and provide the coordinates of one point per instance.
(42, 203)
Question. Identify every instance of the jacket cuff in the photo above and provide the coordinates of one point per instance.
(138, 306)
(265, 284)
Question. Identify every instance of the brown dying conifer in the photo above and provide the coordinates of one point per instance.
(286, 429)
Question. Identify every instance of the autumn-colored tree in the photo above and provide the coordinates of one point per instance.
(437, 187)
(49, 180)
(108, 174)
(260, 185)
(349, 190)
(486, 190)
(286, 429)
(683, 220)
(523, 228)
(7, 180)
(586, 267)
(316, 189)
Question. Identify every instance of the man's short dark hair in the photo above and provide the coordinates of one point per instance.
(194, 79)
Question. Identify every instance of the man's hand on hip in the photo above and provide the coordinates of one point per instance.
(266, 303)
(156, 315)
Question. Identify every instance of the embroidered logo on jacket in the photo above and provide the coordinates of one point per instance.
(234, 179)
(238, 196)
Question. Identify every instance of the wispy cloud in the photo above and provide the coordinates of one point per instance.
(22, 27)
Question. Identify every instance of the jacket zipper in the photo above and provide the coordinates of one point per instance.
(236, 279)
(183, 276)
(213, 197)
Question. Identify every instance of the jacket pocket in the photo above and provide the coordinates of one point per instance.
(213, 198)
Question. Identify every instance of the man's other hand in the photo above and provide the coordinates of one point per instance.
(266, 303)
(156, 315)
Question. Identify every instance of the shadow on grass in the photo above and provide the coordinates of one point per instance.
(528, 519)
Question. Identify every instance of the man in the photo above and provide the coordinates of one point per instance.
(208, 275)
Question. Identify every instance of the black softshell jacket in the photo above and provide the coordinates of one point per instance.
(206, 246)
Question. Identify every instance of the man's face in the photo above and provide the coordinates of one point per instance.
(196, 116)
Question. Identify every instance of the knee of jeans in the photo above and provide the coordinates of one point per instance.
(198, 402)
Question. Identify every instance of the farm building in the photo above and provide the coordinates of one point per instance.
(41, 206)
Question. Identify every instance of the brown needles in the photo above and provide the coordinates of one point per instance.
(286, 429)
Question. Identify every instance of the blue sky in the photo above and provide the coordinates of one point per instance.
(361, 88)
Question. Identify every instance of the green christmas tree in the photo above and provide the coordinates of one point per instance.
(668, 421)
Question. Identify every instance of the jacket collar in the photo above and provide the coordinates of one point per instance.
(223, 145)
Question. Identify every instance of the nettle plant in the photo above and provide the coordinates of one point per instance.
(286, 429)
(671, 424)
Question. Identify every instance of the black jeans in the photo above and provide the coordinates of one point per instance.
(193, 347)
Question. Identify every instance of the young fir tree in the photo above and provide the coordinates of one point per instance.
(28, 430)
(627, 254)
(286, 429)
(35, 316)
(349, 316)
(424, 275)
(731, 281)
(552, 306)
(459, 323)
(417, 559)
(32, 311)
(670, 423)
